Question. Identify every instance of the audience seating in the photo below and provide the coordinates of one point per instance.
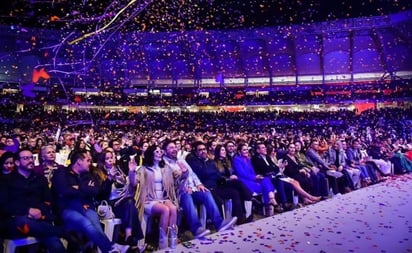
(226, 212)
(109, 227)
(10, 245)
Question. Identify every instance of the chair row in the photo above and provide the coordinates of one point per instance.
(10, 245)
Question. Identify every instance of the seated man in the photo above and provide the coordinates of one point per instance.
(220, 188)
(354, 158)
(331, 173)
(263, 165)
(336, 158)
(75, 189)
(25, 200)
(319, 181)
(192, 192)
(353, 172)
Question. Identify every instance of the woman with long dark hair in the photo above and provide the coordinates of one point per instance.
(298, 175)
(156, 195)
(224, 165)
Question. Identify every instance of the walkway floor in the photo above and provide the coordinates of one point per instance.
(377, 218)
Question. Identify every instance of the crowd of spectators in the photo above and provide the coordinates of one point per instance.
(302, 151)
(278, 95)
(37, 119)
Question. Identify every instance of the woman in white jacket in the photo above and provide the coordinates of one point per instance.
(156, 195)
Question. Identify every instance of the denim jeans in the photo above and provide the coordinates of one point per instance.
(87, 223)
(44, 231)
(283, 189)
(364, 171)
(237, 192)
(189, 202)
(319, 184)
(126, 210)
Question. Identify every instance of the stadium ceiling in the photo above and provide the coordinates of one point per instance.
(168, 43)
(178, 15)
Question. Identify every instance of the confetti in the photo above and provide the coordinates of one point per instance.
(106, 44)
(352, 235)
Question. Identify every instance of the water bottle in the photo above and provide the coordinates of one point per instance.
(172, 237)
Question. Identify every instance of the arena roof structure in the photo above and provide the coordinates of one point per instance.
(110, 50)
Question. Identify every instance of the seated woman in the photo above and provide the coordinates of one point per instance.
(319, 181)
(157, 193)
(224, 165)
(259, 184)
(221, 189)
(7, 162)
(119, 189)
(298, 175)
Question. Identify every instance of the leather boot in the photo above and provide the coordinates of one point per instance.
(162, 239)
(172, 236)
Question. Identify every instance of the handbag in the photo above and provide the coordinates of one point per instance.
(104, 210)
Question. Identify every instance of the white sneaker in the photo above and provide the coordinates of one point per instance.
(227, 223)
(120, 248)
(201, 232)
(114, 250)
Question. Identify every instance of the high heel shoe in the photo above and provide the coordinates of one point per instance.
(277, 208)
(288, 206)
(307, 201)
(315, 199)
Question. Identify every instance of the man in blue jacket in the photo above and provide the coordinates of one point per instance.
(192, 192)
(75, 189)
(220, 188)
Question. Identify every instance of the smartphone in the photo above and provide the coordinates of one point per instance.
(36, 159)
(188, 245)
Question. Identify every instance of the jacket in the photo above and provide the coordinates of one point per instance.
(19, 194)
(263, 168)
(73, 191)
(206, 170)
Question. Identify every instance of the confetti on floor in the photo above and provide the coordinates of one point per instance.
(377, 218)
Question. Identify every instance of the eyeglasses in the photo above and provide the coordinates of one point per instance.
(26, 158)
(201, 149)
